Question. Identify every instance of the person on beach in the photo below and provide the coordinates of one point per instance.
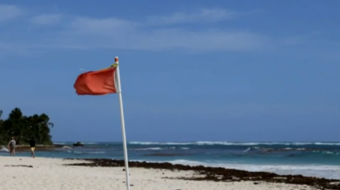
(32, 145)
(11, 146)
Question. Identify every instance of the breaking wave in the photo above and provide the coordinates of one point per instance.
(226, 143)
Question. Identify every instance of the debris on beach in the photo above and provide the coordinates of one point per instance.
(203, 173)
(27, 166)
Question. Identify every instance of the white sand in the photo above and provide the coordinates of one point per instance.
(50, 174)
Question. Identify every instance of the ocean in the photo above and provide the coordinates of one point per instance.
(319, 159)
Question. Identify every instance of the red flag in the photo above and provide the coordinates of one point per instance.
(96, 82)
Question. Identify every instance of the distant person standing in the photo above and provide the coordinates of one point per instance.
(32, 145)
(11, 146)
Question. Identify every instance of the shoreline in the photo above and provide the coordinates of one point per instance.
(83, 171)
(55, 173)
(23, 148)
(211, 173)
(217, 174)
(207, 173)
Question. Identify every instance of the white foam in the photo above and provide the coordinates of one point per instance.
(151, 148)
(4, 149)
(162, 143)
(322, 143)
(155, 148)
(226, 143)
(95, 152)
(333, 153)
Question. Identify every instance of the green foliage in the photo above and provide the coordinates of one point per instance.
(23, 128)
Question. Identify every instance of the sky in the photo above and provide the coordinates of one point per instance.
(219, 70)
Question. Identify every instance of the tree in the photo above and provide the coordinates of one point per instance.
(39, 128)
(23, 128)
(1, 128)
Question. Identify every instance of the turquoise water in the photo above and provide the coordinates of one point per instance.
(320, 159)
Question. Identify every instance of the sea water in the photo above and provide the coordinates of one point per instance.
(319, 159)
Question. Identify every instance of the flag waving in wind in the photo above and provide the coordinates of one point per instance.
(106, 81)
(97, 82)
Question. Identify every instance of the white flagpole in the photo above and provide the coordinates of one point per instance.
(123, 124)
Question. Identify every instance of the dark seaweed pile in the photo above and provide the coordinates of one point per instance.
(220, 174)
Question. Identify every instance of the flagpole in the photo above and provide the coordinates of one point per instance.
(123, 124)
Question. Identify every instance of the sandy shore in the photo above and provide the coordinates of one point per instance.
(18, 173)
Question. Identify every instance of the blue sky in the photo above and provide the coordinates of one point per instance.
(221, 70)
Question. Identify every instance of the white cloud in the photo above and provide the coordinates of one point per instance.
(107, 26)
(124, 34)
(104, 36)
(9, 12)
(204, 15)
(59, 31)
(47, 19)
(83, 32)
(198, 40)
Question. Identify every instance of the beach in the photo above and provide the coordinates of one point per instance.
(27, 173)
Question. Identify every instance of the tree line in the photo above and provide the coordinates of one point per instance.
(23, 128)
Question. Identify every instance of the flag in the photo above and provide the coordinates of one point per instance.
(97, 82)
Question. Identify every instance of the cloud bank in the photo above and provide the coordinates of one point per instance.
(154, 33)
(23, 31)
